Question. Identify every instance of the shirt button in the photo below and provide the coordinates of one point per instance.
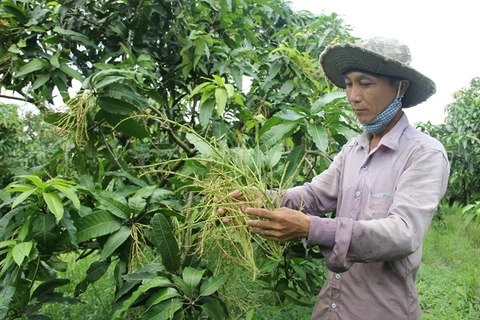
(358, 193)
(337, 276)
(364, 168)
(333, 305)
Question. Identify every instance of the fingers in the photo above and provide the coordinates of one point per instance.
(237, 195)
(259, 212)
(226, 220)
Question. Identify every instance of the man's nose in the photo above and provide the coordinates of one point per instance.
(353, 94)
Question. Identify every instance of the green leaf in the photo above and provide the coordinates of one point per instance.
(137, 204)
(212, 285)
(120, 29)
(93, 274)
(47, 287)
(290, 115)
(124, 124)
(206, 111)
(205, 86)
(44, 231)
(274, 70)
(32, 66)
(277, 134)
(69, 192)
(61, 82)
(292, 296)
(115, 241)
(273, 156)
(127, 93)
(199, 49)
(192, 277)
(230, 90)
(5, 222)
(149, 271)
(320, 104)
(57, 264)
(70, 228)
(318, 134)
(7, 262)
(96, 224)
(161, 295)
(113, 206)
(105, 81)
(35, 179)
(24, 232)
(200, 144)
(293, 161)
(20, 198)
(6, 295)
(54, 203)
(54, 59)
(72, 72)
(166, 242)
(220, 81)
(17, 11)
(19, 187)
(213, 310)
(220, 99)
(127, 175)
(145, 192)
(149, 284)
(21, 251)
(287, 88)
(164, 310)
(116, 106)
(76, 36)
(40, 81)
(345, 131)
(7, 243)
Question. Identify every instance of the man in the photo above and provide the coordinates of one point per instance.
(384, 187)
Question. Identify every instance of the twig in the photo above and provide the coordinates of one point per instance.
(24, 99)
(111, 151)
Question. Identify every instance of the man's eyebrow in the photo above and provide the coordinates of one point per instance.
(362, 76)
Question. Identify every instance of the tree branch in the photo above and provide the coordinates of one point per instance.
(17, 98)
(190, 152)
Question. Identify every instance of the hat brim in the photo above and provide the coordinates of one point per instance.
(337, 59)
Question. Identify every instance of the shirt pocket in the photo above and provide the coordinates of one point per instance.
(378, 205)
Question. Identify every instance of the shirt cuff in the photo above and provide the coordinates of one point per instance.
(322, 232)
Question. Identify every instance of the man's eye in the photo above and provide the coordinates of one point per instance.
(366, 84)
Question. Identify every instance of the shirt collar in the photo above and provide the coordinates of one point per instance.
(391, 139)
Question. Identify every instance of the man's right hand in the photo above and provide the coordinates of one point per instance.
(239, 196)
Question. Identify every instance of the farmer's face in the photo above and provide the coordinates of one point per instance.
(368, 94)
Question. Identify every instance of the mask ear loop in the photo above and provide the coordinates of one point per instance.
(398, 91)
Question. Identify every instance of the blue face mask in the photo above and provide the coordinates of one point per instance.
(381, 122)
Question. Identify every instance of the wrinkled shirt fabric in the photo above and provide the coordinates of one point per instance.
(383, 200)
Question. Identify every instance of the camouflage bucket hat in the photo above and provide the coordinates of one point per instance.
(383, 56)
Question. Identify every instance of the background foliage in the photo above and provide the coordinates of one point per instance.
(132, 96)
(125, 84)
(460, 134)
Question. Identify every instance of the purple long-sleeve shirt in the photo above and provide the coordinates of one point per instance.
(384, 201)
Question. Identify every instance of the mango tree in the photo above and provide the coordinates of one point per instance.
(130, 84)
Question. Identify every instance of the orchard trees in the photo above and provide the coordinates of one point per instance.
(139, 89)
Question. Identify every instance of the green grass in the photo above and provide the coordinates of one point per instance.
(95, 302)
(448, 281)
